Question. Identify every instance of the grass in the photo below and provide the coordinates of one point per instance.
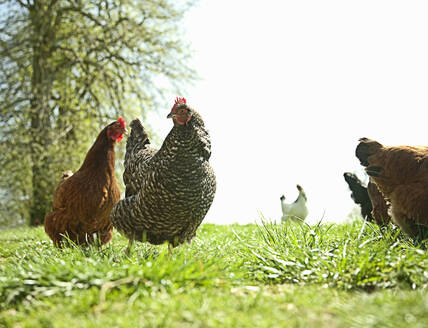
(229, 276)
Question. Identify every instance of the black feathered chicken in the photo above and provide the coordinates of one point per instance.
(360, 195)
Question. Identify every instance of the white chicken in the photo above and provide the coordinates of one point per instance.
(297, 211)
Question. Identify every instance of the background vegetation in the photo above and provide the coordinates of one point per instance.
(230, 276)
(68, 68)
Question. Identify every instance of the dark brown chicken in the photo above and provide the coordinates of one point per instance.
(168, 191)
(401, 174)
(83, 201)
(379, 204)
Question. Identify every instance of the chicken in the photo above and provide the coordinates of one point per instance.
(401, 175)
(379, 204)
(168, 191)
(359, 194)
(296, 211)
(83, 201)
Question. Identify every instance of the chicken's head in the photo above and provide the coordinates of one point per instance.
(180, 112)
(116, 130)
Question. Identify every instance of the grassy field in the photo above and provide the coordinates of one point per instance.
(229, 276)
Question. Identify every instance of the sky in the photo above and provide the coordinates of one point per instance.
(288, 87)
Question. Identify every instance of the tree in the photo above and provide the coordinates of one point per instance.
(67, 67)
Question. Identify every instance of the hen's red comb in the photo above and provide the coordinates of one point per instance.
(121, 120)
(178, 101)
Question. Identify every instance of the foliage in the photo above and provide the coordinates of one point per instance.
(234, 276)
(68, 68)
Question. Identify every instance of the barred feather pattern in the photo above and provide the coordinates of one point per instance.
(168, 191)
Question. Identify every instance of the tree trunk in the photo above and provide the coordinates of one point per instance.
(42, 186)
(42, 182)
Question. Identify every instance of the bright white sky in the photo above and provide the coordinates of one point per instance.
(288, 88)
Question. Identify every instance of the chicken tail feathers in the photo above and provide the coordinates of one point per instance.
(138, 138)
(137, 154)
(358, 191)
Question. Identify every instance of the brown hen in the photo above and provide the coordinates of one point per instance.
(83, 201)
(401, 174)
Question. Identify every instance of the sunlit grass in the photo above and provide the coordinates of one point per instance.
(231, 276)
(343, 256)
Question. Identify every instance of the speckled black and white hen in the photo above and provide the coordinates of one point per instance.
(168, 191)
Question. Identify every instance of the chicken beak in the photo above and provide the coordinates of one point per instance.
(171, 115)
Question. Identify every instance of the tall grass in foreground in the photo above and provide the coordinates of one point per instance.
(228, 269)
(345, 256)
(33, 269)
